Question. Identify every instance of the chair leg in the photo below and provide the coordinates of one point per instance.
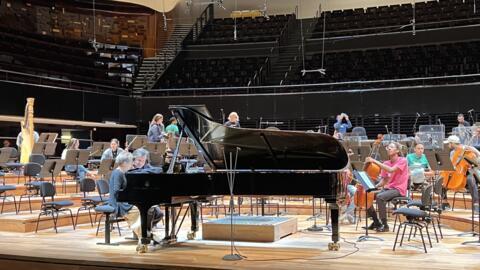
(71, 216)
(396, 237)
(410, 234)
(30, 204)
(423, 240)
(464, 202)
(395, 222)
(435, 230)
(76, 218)
(439, 227)
(98, 226)
(55, 219)
(403, 233)
(89, 216)
(3, 203)
(118, 227)
(38, 221)
(19, 203)
(454, 198)
(428, 234)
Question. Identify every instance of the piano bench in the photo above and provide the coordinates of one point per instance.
(107, 210)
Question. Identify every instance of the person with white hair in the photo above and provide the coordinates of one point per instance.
(140, 159)
(233, 120)
(455, 144)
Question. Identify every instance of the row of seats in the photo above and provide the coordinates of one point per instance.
(259, 29)
(197, 73)
(30, 53)
(431, 14)
(395, 63)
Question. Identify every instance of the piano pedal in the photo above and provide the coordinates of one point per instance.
(333, 246)
(191, 235)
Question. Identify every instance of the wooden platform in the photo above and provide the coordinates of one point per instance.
(250, 228)
(303, 250)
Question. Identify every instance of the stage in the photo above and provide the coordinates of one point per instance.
(302, 250)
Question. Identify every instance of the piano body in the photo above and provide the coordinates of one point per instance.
(269, 163)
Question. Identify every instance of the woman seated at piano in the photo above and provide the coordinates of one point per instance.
(156, 130)
(80, 170)
(113, 151)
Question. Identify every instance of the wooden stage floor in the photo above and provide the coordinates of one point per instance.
(304, 250)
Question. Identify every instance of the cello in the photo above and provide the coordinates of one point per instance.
(456, 180)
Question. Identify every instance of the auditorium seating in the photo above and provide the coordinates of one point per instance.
(74, 60)
(259, 29)
(431, 14)
(395, 63)
(224, 72)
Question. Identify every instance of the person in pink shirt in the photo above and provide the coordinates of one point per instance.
(393, 180)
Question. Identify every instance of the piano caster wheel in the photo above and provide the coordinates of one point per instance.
(142, 249)
(333, 246)
(191, 235)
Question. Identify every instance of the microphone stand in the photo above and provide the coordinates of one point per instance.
(415, 124)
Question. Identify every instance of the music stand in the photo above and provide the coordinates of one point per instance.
(137, 142)
(47, 137)
(106, 167)
(77, 158)
(44, 148)
(52, 168)
(158, 147)
(367, 184)
(98, 148)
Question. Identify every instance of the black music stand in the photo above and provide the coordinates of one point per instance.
(44, 148)
(98, 148)
(157, 147)
(52, 168)
(136, 141)
(106, 167)
(47, 137)
(367, 184)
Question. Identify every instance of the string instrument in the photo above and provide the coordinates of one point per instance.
(360, 197)
(27, 132)
(372, 169)
(456, 180)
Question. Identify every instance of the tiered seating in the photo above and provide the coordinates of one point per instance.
(196, 73)
(248, 30)
(67, 59)
(431, 14)
(396, 63)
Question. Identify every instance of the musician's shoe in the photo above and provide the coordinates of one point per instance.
(372, 226)
(383, 228)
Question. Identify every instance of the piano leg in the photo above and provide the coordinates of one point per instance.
(194, 215)
(167, 223)
(145, 241)
(335, 229)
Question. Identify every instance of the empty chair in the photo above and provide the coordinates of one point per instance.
(37, 158)
(359, 131)
(88, 202)
(30, 170)
(52, 207)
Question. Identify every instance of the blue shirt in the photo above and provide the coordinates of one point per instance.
(155, 133)
(342, 127)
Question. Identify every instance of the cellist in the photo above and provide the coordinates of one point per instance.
(455, 145)
(394, 183)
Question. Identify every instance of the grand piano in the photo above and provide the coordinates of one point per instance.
(261, 161)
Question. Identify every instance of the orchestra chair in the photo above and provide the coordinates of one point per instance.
(429, 206)
(52, 207)
(402, 200)
(88, 202)
(359, 131)
(107, 211)
(37, 158)
(103, 190)
(12, 164)
(30, 170)
(3, 194)
(414, 218)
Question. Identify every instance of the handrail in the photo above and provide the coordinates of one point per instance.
(69, 83)
(301, 87)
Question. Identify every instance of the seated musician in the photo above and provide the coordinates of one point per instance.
(418, 164)
(141, 164)
(113, 151)
(117, 182)
(454, 144)
(80, 170)
(233, 120)
(393, 180)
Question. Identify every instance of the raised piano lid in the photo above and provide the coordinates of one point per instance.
(259, 149)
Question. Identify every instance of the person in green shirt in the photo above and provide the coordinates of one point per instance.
(172, 127)
(418, 165)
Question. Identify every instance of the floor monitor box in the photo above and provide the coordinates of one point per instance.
(250, 229)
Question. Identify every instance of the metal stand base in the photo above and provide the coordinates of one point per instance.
(472, 242)
(107, 244)
(232, 257)
(368, 237)
(315, 228)
(465, 234)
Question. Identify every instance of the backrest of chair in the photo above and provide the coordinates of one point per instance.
(14, 153)
(37, 158)
(427, 196)
(31, 169)
(102, 187)
(359, 131)
(87, 185)
(47, 189)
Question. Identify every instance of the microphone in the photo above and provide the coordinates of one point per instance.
(223, 114)
(418, 115)
(471, 110)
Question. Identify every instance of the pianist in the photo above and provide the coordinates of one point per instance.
(113, 151)
(233, 120)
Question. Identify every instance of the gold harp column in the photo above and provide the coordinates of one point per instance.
(27, 132)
